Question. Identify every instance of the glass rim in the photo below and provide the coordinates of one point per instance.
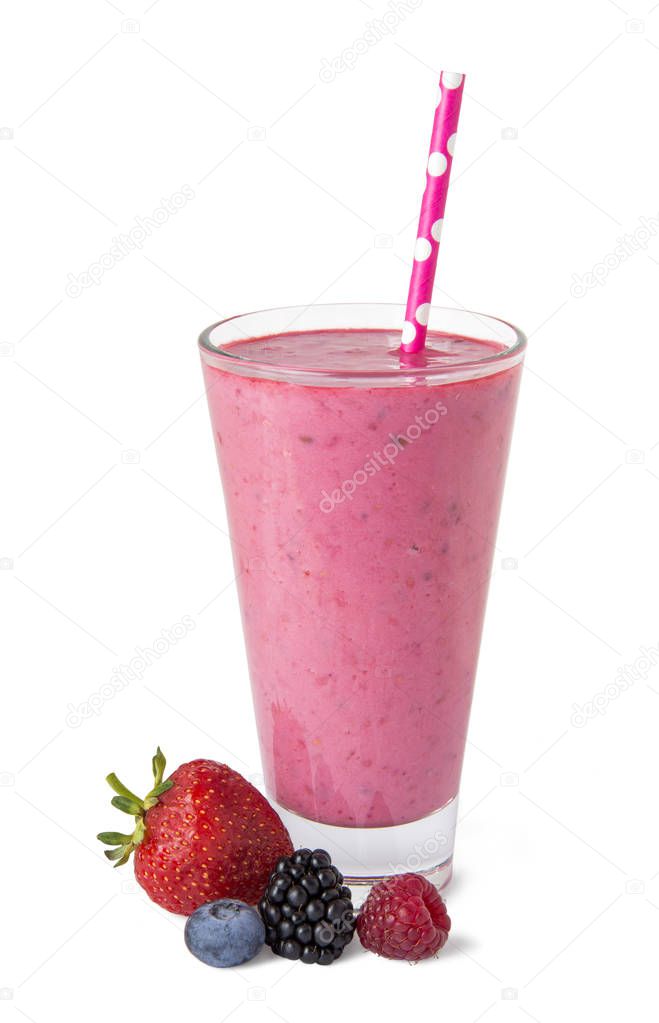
(220, 356)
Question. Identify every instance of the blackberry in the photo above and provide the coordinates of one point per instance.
(307, 909)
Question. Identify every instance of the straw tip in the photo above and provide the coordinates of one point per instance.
(452, 79)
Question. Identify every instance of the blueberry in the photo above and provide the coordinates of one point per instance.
(225, 933)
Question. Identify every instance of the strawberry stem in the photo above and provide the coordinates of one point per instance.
(129, 803)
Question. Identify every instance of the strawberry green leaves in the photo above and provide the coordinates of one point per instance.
(130, 806)
(129, 803)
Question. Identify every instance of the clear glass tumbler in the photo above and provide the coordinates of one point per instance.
(363, 491)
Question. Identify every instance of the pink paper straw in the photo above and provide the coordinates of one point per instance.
(433, 203)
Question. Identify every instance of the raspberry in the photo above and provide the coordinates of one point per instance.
(404, 917)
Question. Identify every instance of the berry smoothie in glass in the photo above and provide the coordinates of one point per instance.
(363, 488)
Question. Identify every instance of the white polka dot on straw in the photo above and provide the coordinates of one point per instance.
(437, 164)
(450, 145)
(422, 249)
(436, 229)
(422, 313)
(409, 332)
(451, 80)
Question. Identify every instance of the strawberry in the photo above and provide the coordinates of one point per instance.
(203, 834)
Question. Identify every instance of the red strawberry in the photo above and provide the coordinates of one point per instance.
(203, 834)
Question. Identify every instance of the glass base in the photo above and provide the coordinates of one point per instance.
(368, 855)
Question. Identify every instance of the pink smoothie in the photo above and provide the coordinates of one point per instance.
(363, 520)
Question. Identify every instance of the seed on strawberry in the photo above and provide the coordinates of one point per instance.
(203, 834)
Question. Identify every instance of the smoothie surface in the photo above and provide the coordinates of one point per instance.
(368, 351)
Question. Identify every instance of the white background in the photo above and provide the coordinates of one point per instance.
(112, 520)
